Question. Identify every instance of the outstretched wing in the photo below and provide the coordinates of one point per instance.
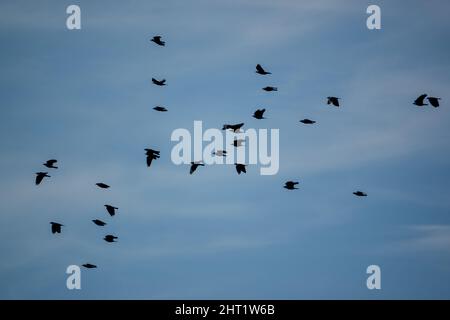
(110, 210)
(39, 178)
(238, 126)
(259, 68)
(56, 228)
(149, 160)
(434, 101)
(420, 99)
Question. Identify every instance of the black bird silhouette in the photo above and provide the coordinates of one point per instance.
(56, 227)
(51, 164)
(290, 185)
(161, 109)
(102, 185)
(259, 114)
(260, 70)
(307, 121)
(434, 101)
(219, 153)
(99, 222)
(268, 89)
(360, 194)
(240, 168)
(40, 176)
(158, 41)
(333, 100)
(234, 127)
(159, 82)
(89, 266)
(419, 101)
(151, 155)
(111, 210)
(110, 238)
(194, 166)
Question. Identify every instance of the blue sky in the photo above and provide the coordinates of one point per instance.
(85, 98)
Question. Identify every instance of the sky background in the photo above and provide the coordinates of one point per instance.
(85, 98)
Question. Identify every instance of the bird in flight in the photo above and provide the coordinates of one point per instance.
(360, 194)
(434, 101)
(268, 89)
(161, 109)
(89, 266)
(420, 101)
(219, 153)
(158, 41)
(99, 222)
(238, 142)
(290, 185)
(56, 227)
(111, 210)
(307, 121)
(258, 114)
(40, 176)
(261, 70)
(234, 127)
(159, 82)
(240, 168)
(194, 166)
(51, 164)
(110, 238)
(151, 155)
(333, 100)
(102, 185)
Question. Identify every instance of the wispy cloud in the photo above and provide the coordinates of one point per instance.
(430, 237)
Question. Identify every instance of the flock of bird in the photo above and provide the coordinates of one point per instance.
(152, 154)
(56, 226)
